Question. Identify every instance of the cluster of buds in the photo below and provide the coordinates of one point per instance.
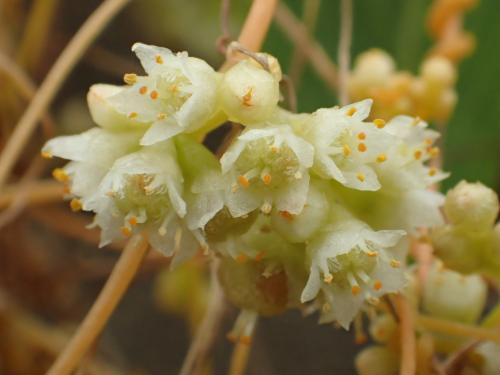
(430, 95)
(470, 241)
(305, 210)
(445, 294)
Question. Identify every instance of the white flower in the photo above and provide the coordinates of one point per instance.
(178, 94)
(267, 167)
(346, 148)
(351, 263)
(91, 153)
(143, 192)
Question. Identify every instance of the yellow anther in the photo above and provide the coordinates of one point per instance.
(417, 154)
(60, 175)
(377, 285)
(346, 150)
(355, 290)
(46, 155)
(132, 220)
(154, 95)
(362, 147)
(372, 253)
(433, 151)
(428, 141)
(75, 205)
(126, 231)
(243, 181)
(381, 158)
(246, 100)
(242, 258)
(130, 78)
(379, 123)
(260, 255)
(328, 278)
(267, 179)
(432, 171)
(361, 177)
(161, 116)
(286, 215)
(158, 59)
(132, 115)
(143, 90)
(274, 149)
(246, 340)
(395, 263)
(66, 189)
(351, 111)
(361, 136)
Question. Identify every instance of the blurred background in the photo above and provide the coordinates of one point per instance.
(50, 267)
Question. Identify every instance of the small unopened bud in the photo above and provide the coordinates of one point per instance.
(248, 93)
(451, 295)
(472, 205)
(383, 328)
(376, 360)
(438, 70)
(373, 67)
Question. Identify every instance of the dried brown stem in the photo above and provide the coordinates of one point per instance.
(297, 32)
(408, 341)
(38, 192)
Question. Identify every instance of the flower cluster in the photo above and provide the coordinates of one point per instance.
(302, 208)
(430, 95)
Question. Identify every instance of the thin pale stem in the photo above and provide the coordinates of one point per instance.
(297, 32)
(408, 340)
(241, 352)
(457, 329)
(37, 192)
(203, 343)
(344, 51)
(113, 291)
(58, 73)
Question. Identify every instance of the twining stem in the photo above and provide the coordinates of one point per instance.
(344, 51)
(41, 191)
(297, 32)
(408, 341)
(114, 289)
(206, 334)
(457, 329)
(59, 71)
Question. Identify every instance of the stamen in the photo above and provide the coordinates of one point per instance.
(361, 177)
(328, 278)
(132, 220)
(260, 255)
(60, 175)
(379, 123)
(275, 149)
(355, 288)
(143, 90)
(433, 151)
(286, 215)
(126, 231)
(132, 115)
(372, 253)
(363, 276)
(381, 158)
(346, 150)
(417, 154)
(351, 111)
(75, 205)
(297, 175)
(428, 141)
(362, 136)
(159, 59)
(46, 155)
(130, 78)
(161, 116)
(242, 258)
(432, 171)
(377, 285)
(266, 177)
(246, 100)
(395, 263)
(243, 181)
(362, 147)
(154, 95)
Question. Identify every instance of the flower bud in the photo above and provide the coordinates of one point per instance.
(223, 224)
(438, 71)
(450, 295)
(383, 328)
(247, 288)
(376, 360)
(472, 205)
(373, 68)
(248, 93)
